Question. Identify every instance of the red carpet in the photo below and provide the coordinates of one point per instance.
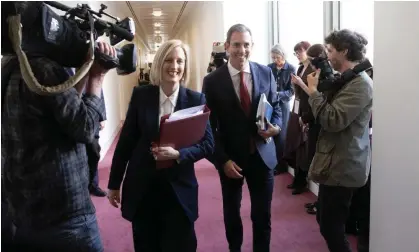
(293, 230)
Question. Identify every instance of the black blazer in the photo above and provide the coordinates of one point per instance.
(232, 128)
(140, 129)
(305, 109)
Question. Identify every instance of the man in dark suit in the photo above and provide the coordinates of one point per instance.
(241, 150)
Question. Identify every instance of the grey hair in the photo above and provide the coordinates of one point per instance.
(237, 28)
(278, 50)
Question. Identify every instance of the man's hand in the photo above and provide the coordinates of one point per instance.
(165, 153)
(232, 170)
(114, 197)
(270, 131)
(313, 81)
(102, 125)
(97, 70)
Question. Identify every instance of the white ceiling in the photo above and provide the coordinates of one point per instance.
(141, 11)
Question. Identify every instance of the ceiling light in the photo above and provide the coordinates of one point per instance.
(157, 24)
(157, 32)
(157, 13)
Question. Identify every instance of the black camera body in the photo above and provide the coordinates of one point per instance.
(218, 56)
(220, 59)
(334, 85)
(329, 81)
(65, 39)
(325, 67)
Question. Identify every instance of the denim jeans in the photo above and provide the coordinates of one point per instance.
(80, 233)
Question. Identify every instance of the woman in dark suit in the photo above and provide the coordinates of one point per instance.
(162, 204)
(303, 110)
(282, 72)
(310, 126)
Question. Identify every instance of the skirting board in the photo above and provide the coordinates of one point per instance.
(107, 145)
(313, 187)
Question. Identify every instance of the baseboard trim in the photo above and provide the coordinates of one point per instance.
(313, 187)
(107, 145)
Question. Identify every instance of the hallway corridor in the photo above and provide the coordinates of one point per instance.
(292, 229)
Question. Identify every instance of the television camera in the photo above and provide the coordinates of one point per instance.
(31, 29)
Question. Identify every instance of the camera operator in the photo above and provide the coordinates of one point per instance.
(45, 172)
(342, 159)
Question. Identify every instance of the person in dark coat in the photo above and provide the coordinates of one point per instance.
(282, 71)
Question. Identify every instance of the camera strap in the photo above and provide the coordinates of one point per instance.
(8, 64)
(15, 35)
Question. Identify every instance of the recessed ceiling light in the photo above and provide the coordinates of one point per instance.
(157, 13)
(157, 24)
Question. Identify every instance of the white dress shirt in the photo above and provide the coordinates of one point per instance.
(167, 104)
(235, 77)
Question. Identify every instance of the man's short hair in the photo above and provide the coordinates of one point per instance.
(237, 28)
(349, 40)
(160, 57)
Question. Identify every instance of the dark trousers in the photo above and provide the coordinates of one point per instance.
(161, 224)
(300, 178)
(7, 227)
(360, 215)
(80, 233)
(93, 157)
(260, 181)
(285, 107)
(332, 212)
(280, 139)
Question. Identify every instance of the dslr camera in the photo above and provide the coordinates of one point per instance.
(327, 76)
(218, 56)
(33, 29)
(328, 81)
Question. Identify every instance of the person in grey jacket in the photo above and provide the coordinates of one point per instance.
(342, 160)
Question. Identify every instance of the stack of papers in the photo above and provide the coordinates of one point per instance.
(264, 112)
(186, 113)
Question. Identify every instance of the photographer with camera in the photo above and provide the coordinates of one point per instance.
(343, 155)
(47, 120)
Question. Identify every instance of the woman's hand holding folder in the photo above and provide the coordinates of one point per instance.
(165, 153)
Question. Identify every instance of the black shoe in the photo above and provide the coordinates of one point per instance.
(309, 205)
(312, 210)
(96, 191)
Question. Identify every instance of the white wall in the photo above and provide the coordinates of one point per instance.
(117, 89)
(256, 17)
(199, 30)
(203, 26)
(395, 169)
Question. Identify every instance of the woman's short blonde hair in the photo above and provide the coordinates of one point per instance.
(161, 55)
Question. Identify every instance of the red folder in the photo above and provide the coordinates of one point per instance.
(181, 133)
